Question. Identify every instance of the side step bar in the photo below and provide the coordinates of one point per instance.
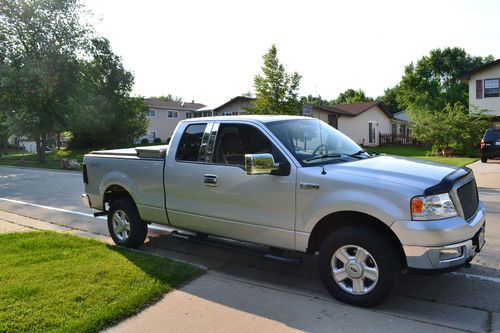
(272, 254)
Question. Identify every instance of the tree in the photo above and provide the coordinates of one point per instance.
(39, 43)
(169, 98)
(390, 99)
(351, 96)
(276, 90)
(433, 82)
(313, 100)
(105, 114)
(451, 127)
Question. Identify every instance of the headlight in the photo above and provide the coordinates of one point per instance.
(432, 207)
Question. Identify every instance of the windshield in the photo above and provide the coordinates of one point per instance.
(313, 142)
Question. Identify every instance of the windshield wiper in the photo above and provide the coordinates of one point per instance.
(355, 155)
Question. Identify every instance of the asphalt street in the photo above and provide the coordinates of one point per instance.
(466, 300)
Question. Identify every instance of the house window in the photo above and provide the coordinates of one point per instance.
(371, 132)
(394, 129)
(151, 136)
(492, 88)
(172, 114)
(189, 115)
(152, 113)
(227, 114)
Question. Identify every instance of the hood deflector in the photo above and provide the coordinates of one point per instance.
(447, 182)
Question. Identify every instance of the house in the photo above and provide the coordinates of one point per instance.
(234, 106)
(484, 89)
(362, 122)
(400, 123)
(163, 117)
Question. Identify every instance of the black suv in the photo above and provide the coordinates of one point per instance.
(490, 144)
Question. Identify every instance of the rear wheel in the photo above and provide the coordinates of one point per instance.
(125, 225)
(484, 159)
(359, 266)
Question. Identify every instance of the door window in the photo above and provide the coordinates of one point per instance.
(371, 132)
(190, 143)
(235, 140)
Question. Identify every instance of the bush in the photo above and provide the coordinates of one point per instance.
(157, 140)
(144, 141)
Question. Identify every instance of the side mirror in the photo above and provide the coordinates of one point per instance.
(256, 164)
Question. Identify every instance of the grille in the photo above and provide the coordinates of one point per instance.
(468, 198)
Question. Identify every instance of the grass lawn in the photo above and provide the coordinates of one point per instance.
(53, 159)
(421, 153)
(52, 282)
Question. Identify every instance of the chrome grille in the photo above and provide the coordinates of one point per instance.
(468, 198)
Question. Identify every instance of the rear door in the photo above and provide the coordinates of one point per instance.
(183, 175)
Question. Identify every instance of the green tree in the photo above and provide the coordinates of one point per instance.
(313, 100)
(276, 90)
(39, 42)
(433, 82)
(105, 114)
(390, 99)
(169, 98)
(351, 96)
(451, 127)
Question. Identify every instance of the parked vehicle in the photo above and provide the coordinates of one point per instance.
(294, 183)
(490, 144)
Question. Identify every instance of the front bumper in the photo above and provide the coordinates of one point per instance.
(426, 242)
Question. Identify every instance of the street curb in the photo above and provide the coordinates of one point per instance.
(40, 169)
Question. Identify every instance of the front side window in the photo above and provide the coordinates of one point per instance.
(172, 114)
(235, 140)
(190, 143)
(313, 142)
(492, 88)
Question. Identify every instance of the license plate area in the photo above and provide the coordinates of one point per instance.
(479, 240)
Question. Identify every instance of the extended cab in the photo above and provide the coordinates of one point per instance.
(294, 183)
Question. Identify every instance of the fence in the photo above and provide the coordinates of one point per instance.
(390, 139)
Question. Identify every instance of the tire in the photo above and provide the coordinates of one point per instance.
(125, 225)
(366, 282)
(484, 159)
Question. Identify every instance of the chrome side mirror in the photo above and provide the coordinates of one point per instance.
(256, 164)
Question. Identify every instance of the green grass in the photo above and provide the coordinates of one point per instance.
(422, 153)
(52, 282)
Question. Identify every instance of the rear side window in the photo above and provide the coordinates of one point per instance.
(190, 143)
(492, 135)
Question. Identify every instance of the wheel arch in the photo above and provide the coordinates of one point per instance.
(114, 192)
(341, 219)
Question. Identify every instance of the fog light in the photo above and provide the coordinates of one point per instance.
(450, 253)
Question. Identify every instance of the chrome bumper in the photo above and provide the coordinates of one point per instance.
(86, 200)
(440, 244)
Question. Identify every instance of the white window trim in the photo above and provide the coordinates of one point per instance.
(172, 112)
(149, 115)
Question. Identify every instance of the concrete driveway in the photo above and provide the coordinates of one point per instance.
(291, 297)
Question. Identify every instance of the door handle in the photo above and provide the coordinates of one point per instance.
(210, 180)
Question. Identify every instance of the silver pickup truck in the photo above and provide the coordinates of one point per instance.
(294, 183)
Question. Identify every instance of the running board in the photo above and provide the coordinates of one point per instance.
(272, 254)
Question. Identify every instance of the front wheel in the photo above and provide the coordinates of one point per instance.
(125, 225)
(359, 266)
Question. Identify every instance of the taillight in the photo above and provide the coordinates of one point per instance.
(482, 143)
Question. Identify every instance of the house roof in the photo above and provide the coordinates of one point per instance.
(234, 100)
(465, 77)
(172, 105)
(353, 110)
(401, 115)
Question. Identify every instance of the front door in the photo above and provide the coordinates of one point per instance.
(254, 208)
(371, 132)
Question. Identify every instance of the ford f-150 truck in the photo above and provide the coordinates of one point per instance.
(294, 183)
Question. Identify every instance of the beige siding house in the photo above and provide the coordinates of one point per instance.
(484, 88)
(234, 106)
(163, 117)
(362, 122)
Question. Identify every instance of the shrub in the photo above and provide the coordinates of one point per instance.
(144, 141)
(157, 140)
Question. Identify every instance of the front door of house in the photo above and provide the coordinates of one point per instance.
(371, 132)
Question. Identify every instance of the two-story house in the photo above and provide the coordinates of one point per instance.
(163, 116)
(484, 89)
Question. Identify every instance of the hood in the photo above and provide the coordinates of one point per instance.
(416, 173)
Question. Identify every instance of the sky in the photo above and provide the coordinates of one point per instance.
(210, 51)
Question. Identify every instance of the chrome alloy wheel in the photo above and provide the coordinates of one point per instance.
(354, 269)
(121, 225)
